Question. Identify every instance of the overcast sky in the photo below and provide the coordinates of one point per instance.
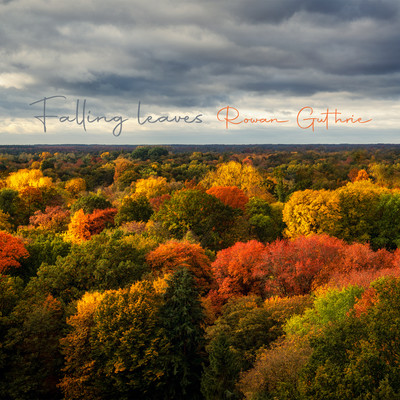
(265, 58)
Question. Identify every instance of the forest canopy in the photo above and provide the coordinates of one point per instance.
(190, 272)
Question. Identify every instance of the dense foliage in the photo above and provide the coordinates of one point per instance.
(164, 273)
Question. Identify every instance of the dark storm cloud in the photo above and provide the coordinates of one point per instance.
(275, 11)
(196, 53)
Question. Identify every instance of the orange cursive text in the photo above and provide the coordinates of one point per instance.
(231, 116)
(306, 120)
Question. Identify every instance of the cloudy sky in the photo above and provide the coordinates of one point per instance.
(187, 60)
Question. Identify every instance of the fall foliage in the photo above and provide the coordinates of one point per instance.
(157, 202)
(5, 225)
(311, 212)
(151, 187)
(28, 178)
(239, 270)
(243, 176)
(75, 186)
(98, 220)
(121, 165)
(362, 175)
(12, 250)
(83, 226)
(171, 255)
(52, 219)
(263, 272)
(111, 349)
(230, 196)
(78, 228)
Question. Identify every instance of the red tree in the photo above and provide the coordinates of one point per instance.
(157, 202)
(295, 266)
(53, 219)
(301, 265)
(11, 250)
(359, 256)
(240, 270)
(98, 220)
(230, 196)
(361, 266)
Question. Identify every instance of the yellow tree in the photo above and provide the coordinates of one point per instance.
(79, 369)
(75, 186)
(45, 155)
(28, 177)
(4, 221)
(382, 174)
(151, 187)
(244, 176)
(121, 165)
(311, 212)
(78, 229)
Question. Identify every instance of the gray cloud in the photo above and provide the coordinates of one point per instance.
(197, 54)
(276, 11)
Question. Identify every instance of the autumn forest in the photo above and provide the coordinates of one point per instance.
(162, 272)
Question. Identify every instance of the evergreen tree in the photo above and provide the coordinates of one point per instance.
(219, 378)
(182, 317)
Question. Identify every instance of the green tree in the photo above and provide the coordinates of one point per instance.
(386, 225)
(281, 187)
(141, 153)
(182, 318)
(357, 357)
(329, 306)
(145, 152)
(10, 293)
(220, 376)
(358, 204)
(10, 204)
(157, 152)
(99, 264)
(117, 348)
(265, 219)
(138, 209)
(42, 249)
(32, 342)
(193, 210)
(90, 202)
(248, 325)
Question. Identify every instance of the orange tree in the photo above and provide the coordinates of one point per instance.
(11, 251)
(230, 195)
(169, 256)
